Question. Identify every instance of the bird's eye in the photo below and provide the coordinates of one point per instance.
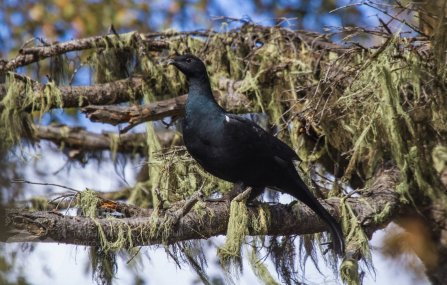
(188, 60)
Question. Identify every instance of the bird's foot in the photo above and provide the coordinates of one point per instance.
(222, 198)
(254, 203)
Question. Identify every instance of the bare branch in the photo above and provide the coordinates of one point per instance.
(43, 183)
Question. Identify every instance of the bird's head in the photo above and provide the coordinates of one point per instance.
(190, 65)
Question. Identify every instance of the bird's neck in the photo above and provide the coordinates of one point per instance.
(200, 87)
(200, 98)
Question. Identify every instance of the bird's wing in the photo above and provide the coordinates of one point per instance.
(251, 133)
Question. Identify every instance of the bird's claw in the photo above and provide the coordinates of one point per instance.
(220, 199)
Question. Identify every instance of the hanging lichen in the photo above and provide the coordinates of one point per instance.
(15, 122)
(25, 98)
(88, 203)
(104, 265)
(260, 269)
(284, 257)
(114, 142)
(116, 61)
(356, 242)
(59, 67)
(439, 156)
(349, 272)
(181, 176)
(262, 220)
(230, 253)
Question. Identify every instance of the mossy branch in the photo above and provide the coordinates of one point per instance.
(211, 220)
(81, 139)
(34, 54)
(125, 90)
(100, 94)
(138, 114)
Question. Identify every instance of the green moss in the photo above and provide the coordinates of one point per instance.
(356, 241)
(23, 98)
(349, 271)
(439, 157)
(103, 264)
(230, 252)
(141, 194)
(261, 222)
(88, 203)
(154, 172)
(123, 234)
(421, 176)
(384, 214)
(39, 203)
(52, 98)
(116, 60)
(260, 269)
(114, 143)
(15, 122)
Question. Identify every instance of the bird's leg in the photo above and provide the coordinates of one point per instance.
(217, 199)
(243, 197)
(227, 197)
(255, 193)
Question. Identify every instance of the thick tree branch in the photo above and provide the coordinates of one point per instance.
(81, 139)
(125, 90)
(100, 94)
(34, 54)
(136, 114)
(211, 220)
(230, 100)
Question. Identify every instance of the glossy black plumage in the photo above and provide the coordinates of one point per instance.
(238, 150)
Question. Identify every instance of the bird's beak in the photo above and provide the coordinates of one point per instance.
(171, 61)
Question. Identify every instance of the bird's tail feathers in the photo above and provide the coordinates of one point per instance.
(303, 194)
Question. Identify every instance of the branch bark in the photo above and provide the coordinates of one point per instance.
(210, 221)
(147, 41)
(79, 138)
(131, 89)
(230, 100)
(34, 54)
(100, 94)
(136, 114)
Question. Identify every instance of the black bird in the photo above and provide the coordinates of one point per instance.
(238, 150)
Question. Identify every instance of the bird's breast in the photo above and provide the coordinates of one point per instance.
(202, 137)
(207, 144)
